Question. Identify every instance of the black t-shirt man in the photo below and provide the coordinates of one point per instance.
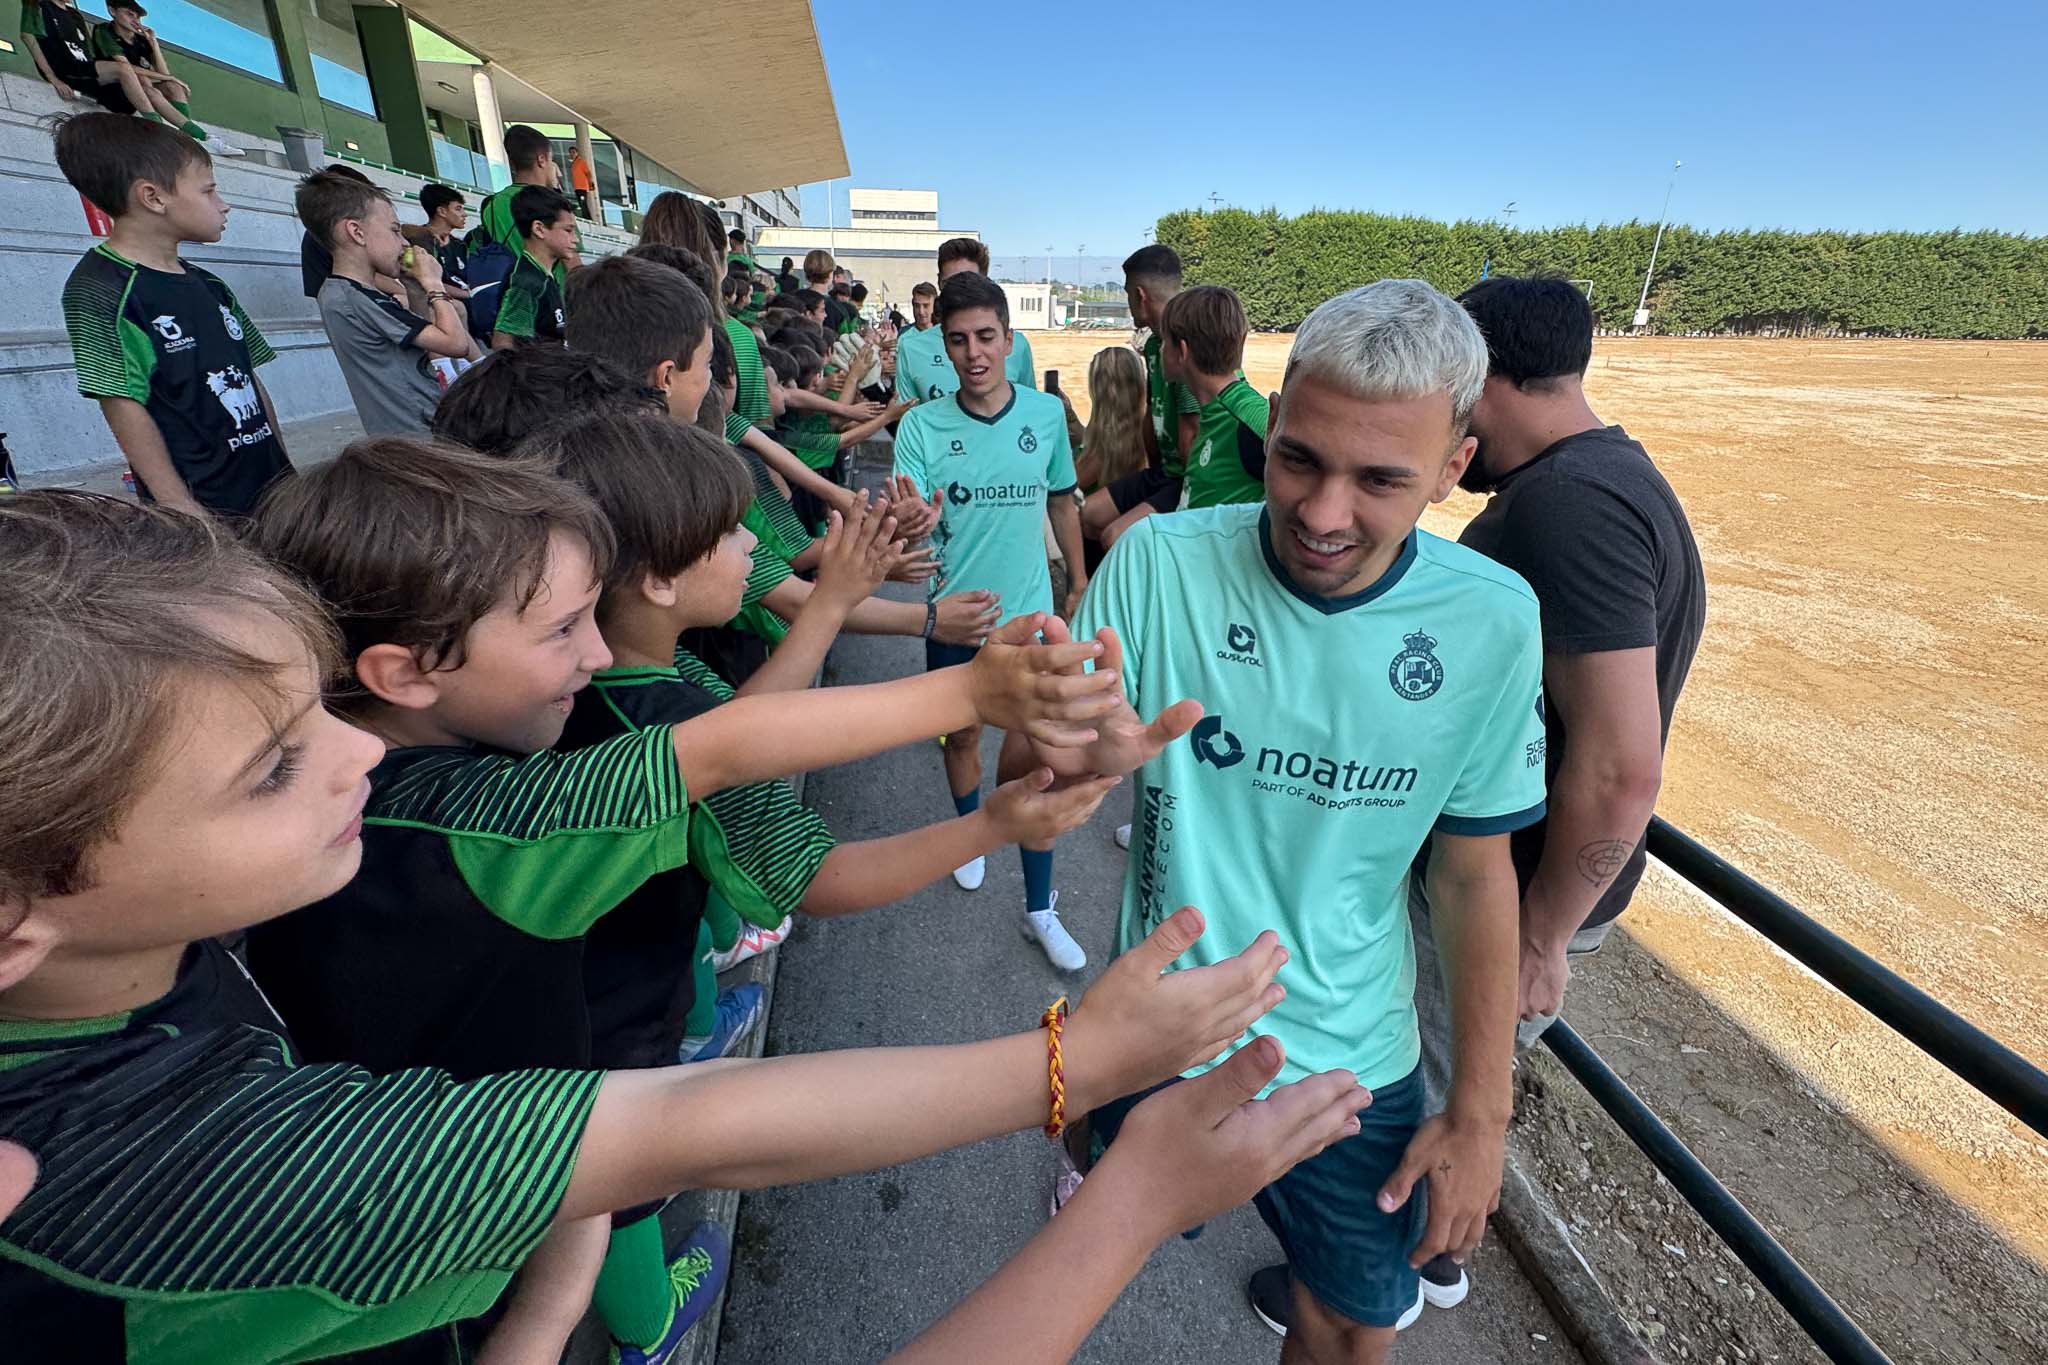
(1598, 533)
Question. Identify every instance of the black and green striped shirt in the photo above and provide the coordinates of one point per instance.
(204, 1196)
(460, 942)
(756, 844)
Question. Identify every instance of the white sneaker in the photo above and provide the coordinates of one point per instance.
(971, 876)
(216, 145)
(1441, 1295)
(1123, 836)
(1407, 1319)
(1060, 948)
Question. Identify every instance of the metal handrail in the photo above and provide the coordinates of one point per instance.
(1991, 1067)
(1782, 1277)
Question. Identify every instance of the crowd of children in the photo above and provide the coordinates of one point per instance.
(374, 833)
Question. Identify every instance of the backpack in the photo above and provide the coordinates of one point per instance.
(490, 265)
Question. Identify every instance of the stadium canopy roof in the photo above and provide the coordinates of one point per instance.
(732, 96)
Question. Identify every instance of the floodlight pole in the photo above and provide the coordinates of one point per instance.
(1048, 266)
(1643, 303)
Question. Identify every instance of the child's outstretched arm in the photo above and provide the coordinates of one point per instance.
(1035, 689)
(1185, 1155)
(872, 872)
(856, 552)
(748, 1124)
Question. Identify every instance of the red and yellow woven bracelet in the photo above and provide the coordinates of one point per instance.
(1052, 1021)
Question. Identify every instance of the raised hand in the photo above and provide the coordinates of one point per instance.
(1124, 740)
(1140, 1023)
(1035, 689)
(1029, 810)
(1200, 1148)
(965, 618)
(858, 551)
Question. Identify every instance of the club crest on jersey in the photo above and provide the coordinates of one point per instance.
(227, 320)
(1416, 673)
(167, 327)
(1203, 458)
(1026, 441)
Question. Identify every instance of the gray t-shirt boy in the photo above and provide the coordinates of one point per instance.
(391, 380)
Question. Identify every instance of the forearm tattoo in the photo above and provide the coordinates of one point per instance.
(1602, 860)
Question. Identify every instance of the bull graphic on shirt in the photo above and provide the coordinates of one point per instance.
(237, 393)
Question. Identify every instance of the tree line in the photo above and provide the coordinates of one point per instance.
(1927, 284)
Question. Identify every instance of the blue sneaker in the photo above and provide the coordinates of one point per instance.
(696, 1271)
(739, 1009)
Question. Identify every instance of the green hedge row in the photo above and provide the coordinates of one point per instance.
(1931, 284)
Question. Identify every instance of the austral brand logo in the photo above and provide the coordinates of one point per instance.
(227, 320)
(1416, 673)
(1027, 441)
(1215, 745)
(1319, 779)
(956, 447)
(1244, 646)
(997, 494)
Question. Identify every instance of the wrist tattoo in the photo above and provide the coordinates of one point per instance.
(1602, 860)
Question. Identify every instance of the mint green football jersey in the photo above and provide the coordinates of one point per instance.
(996, 473)
(925, 372)
(1338, 734)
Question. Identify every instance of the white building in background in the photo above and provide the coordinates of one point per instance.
(890, 244)
(1032, 306)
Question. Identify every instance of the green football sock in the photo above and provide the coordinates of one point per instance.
(194, 131)
(182, 107)
(633, 1294)
(703, 1017)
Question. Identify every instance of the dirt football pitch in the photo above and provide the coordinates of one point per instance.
(1866, 727)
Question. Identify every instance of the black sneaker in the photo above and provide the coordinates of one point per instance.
(1444, 1284)
(1272, 1293)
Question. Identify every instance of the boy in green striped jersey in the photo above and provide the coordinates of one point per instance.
(1201, 340)
(202, 1186)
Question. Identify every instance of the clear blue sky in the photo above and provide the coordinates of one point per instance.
(1063, 123)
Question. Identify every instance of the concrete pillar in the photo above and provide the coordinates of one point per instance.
(489, 121)
(593, 209)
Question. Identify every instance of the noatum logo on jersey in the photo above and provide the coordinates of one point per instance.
(996, 494)
(1319, 779)
(1416, 673)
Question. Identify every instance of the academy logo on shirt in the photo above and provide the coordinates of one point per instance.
(174, 335)
(1244, 645)
(1215, 745)
(1026, 441)
(1416, 673)
(227, 320)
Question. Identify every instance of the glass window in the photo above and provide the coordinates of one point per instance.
(338, 66)
(234, 33)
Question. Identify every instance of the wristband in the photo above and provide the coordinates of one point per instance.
(1052, 1021)
(931, 618)
(437, 296)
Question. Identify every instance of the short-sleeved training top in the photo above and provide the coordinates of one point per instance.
(924, 371)
(65, 36)
(769, 570)
(531, 306)
(750, 402)
(1169, 402)
(791, 537)
(494, 217)
(1228, 463)
(180, 345)
(757, 844)
(460, 942)
(995, 474)
(809, 437)
(202, 1194)
(453, 255)
(1337, 734)
(391, 380)
(107, 46)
